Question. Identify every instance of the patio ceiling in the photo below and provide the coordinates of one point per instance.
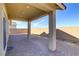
(30, 11)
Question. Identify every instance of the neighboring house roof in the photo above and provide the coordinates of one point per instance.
(31, 11)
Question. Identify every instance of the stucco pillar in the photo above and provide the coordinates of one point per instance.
(10, 21)
(52, 31)
(29, 30)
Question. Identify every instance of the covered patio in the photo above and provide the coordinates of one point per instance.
(32, 11)
(29, 12)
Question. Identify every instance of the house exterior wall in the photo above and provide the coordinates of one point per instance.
(3, 15)
(1, 31)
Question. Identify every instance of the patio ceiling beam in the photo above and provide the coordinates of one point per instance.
(61, 5)
(42, 6)
(47, 8)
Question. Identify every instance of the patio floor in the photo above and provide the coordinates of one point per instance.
(38, 46)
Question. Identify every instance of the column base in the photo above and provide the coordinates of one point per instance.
(52, 45)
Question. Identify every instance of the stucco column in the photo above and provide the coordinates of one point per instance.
(52, 31)
(10, 21)
(29, 30)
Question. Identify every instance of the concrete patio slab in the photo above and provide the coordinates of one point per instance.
(38, 46)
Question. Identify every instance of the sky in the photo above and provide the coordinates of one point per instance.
(64, 18)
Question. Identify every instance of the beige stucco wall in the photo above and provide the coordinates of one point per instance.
(3, 14)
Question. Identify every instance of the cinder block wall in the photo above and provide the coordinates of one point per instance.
(33, 31)
(65, 33)
(18, 31)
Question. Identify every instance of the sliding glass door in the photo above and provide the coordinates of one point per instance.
(4, 32)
